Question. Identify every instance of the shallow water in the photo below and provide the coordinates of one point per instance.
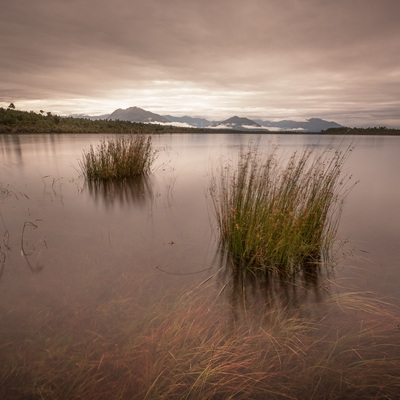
(67, 246)
(166, 222)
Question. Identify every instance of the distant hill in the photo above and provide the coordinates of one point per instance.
(194, 122)
(136, 114)
(238, 123)
(92, 117)
(310, 125)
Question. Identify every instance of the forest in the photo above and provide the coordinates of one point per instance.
(14, 121)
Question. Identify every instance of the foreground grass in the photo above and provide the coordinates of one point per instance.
(274, 217)
(192, 349)
(120, 158)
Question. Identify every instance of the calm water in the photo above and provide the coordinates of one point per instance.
(72, 255)
(59, 234)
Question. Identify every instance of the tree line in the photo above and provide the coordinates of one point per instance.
(14, 121)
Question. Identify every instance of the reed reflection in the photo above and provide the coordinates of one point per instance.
(268, 289)
(137, 190)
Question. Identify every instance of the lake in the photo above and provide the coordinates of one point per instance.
(89, 271)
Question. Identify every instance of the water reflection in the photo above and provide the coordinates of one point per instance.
(110, 193)
(113, 275)
(247, 290)
(17, 148)
(10, 148)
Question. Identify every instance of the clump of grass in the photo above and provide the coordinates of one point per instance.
(118, 159)
(274, 217)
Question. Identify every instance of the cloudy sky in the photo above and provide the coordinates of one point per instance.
(274, 59)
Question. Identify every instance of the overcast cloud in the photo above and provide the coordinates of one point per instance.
(273, 59)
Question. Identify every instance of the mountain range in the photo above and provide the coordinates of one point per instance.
(136, 114)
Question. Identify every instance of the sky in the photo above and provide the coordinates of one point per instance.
(270, 59)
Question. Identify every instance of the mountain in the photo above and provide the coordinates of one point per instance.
(92, 117)
(310, 125)
(193, 122)
(238, 124)
(136, 114)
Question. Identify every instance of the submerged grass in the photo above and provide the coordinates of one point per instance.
(274, 217)
(190, 349)
(120, 158)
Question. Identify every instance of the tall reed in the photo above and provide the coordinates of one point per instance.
(118, 159)
(279, 217)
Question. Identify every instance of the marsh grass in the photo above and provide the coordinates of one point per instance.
(191, 349)
(120, 158)
(279, 216)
